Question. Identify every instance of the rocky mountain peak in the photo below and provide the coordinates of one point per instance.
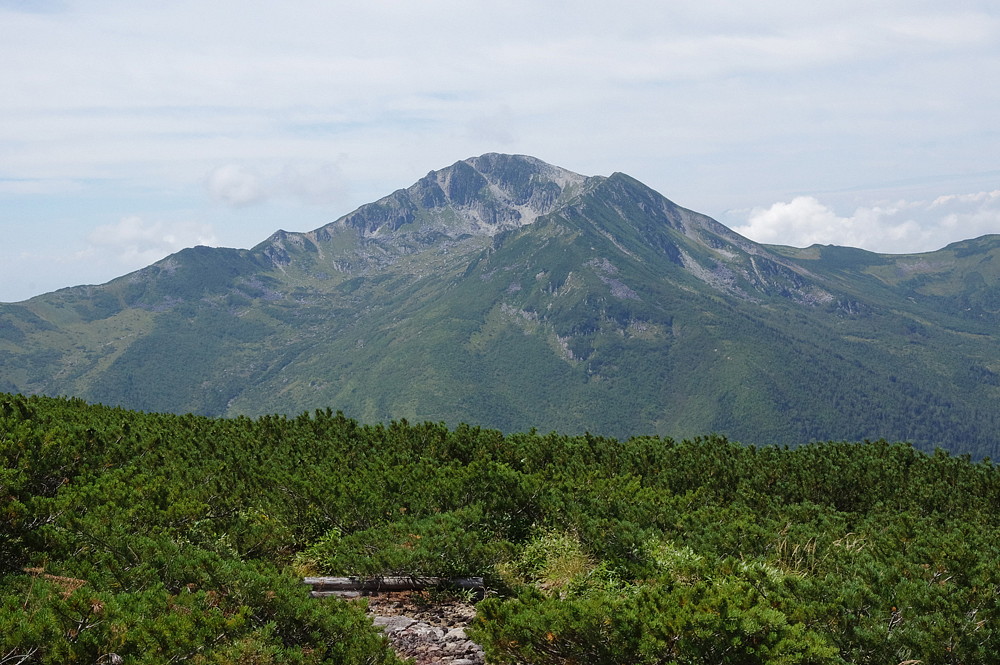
(510, 293)
(479, 196)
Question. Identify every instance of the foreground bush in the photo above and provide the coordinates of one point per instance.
(155, 538)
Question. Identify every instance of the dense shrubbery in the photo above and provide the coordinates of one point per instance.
(161, 538)
(146, 538)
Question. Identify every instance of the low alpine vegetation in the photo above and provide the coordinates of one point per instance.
(153, 538)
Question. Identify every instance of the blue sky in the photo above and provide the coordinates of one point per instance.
(129, 130)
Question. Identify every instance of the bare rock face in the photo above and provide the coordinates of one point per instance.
(480, 196)
(426, 631)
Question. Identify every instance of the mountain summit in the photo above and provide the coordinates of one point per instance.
(505, 292)
(477, 197)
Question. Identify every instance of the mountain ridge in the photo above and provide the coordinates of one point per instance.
(511, 293)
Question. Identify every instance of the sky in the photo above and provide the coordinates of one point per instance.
(132, 129)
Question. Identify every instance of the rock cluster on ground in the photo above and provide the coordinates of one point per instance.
(429, 632)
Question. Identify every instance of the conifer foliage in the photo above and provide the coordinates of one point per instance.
(150, 538)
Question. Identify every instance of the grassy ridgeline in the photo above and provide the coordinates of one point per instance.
(160, 537)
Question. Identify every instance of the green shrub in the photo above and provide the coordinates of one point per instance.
(443, 545)
(734, 620)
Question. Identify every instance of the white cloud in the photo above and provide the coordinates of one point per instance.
(236, 185)
(897, 227)
(314, 184)
(135, 243)
(979, 200)
(290, 106)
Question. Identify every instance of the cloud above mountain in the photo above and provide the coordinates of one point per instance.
(238, 185)
(235, 185)
(133, 242)
(305, 110)
(895, 227)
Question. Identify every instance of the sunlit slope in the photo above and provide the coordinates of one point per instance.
(510, 293)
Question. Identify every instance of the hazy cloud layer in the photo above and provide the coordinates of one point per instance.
(317, 107)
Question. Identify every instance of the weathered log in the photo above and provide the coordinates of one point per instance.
(338, 594)
(327, 586)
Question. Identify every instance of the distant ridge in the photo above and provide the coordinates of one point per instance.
(509, 293)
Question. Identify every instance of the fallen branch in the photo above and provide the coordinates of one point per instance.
(347, 586)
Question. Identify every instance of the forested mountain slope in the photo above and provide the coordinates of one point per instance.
(514, 294)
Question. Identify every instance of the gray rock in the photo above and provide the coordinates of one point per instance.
(455, 634)
(394, 624)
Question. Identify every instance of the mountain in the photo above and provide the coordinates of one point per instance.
(509, 293)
